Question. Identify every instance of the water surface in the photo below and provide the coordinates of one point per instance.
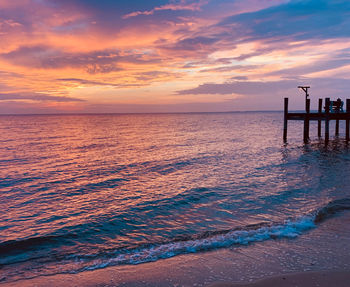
(81, 192)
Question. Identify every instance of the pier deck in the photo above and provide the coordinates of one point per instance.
(299, 116)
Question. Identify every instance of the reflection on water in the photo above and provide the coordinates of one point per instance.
(79, 191)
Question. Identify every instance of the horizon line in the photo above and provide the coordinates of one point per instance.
(137, 113)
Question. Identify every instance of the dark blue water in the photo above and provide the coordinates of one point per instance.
(81, 192)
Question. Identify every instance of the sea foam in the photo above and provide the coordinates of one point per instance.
(251, 234)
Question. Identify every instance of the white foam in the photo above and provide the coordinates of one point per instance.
(289, 229)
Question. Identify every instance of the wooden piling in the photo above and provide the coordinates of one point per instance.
(347, 125)
(326, 131)
(307, 121)
(319, 121)
(336, 127)
(285, 127)
(337, 124)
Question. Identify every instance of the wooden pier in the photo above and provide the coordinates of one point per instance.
(326, 115)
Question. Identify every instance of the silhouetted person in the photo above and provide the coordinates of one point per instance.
(341, 104)
(336, 106)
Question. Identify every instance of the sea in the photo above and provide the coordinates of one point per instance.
(85, 192)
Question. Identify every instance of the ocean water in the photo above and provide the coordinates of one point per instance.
(83, 192)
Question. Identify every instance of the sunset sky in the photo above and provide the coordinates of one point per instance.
(77, 56)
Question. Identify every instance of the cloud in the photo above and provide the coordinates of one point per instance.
(240, 87)
(108, 16)
(39, 97)
(6, 74)
(269, 92)
(49, 57)
(232, 68)
(132, 50)
(193, 44)
(8, 24)
(155, 75)
(34, 17)
(268, 95)
(103, 6)
(175, 6)
(87, 82)
(93, 62)
(337, 60)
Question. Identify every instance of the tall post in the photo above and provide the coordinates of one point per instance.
(285, 127)
(319, 121)
(347, 120)
(336, 127)
(326, 130)
(337, 110)
(307, 121)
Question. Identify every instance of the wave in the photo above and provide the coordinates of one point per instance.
(25, 244)
(225, 238)
(332, 208)
(205, 241)
(289, 229)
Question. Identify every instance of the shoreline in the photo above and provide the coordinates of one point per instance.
(317, 258)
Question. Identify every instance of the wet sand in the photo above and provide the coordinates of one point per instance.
(317, 258)
(307, 279)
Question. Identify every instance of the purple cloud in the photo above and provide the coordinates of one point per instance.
(93, 62)
(39, 97)
(181, 5)
(262, 95)
(240, 87)
(86, 82)
(154, 75)
(192, 44)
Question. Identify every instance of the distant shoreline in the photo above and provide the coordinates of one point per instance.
(150, 113)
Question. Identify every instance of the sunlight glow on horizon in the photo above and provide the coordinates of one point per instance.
(169, 55)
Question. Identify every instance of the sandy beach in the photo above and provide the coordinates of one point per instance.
(308, 279)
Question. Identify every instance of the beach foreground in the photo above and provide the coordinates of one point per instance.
(318, 258)
(308, 279)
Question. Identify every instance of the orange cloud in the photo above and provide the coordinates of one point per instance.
(75, 54)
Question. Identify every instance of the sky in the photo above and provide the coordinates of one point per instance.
(125, 56)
